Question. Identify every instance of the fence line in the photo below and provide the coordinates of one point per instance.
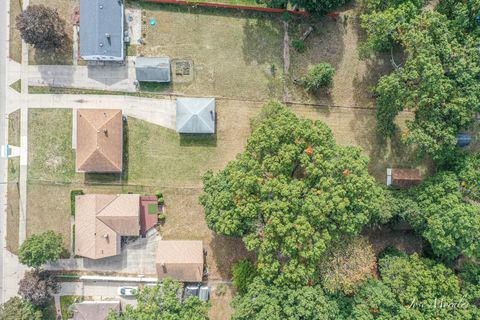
(228, 6)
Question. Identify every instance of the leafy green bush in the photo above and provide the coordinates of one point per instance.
(243, 274)
(299, 45)
(162, 217)
(41, 248)
(320, 76)
(73, 194)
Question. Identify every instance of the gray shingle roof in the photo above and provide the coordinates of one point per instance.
(101, 29)
(152, 69)
(195, 115)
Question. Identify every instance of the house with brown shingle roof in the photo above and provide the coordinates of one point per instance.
(101, 220)
(99, 140)
(180, 259)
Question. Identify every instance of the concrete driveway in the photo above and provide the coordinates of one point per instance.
(137, 257)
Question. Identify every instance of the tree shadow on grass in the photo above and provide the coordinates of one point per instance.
(226, 252)
(198, 140)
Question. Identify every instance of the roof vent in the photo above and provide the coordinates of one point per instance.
(101, 6)
(101, 44)
(107, 35)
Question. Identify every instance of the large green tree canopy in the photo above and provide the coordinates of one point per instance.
(444, 217)
(290, 193)
(267, 302)
(440, 82)
(41, 248)
(411, 287)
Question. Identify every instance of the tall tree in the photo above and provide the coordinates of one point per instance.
(411, 287)
(267, 302)
(290, 193)
(41, 248)
(19, 309)
(41, 27)
(445, 219)
(163, 302)
(37, 286)
(439, 82)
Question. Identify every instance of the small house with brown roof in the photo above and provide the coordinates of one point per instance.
(403, 178)
(101, 220)
(180, 259)
(95, 310)
(99, 140)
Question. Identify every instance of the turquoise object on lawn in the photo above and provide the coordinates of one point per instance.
(152, 22)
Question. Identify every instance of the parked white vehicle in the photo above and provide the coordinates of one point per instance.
(127, 291)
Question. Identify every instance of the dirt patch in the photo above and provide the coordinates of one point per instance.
(220, 298)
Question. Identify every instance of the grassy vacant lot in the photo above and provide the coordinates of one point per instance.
(51, 157)
(336, 41)
(15, 39)
(65, 9)
(12, 187)
(233, 52)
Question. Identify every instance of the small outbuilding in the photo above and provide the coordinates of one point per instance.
(196, 115)
(180, 259)
(403, 178)
(152, 69)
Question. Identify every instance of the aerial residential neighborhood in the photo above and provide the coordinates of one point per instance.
(240, 159)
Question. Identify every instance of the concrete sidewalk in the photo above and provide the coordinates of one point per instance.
(157, 111)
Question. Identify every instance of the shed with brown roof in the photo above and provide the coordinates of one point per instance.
(101, 220)
(99, 140)
(405, 178)
(180, 259)
(95, 310)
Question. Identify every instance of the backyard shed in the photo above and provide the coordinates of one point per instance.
(403, 178)
(101, 30)
(152, 69)
(101, 220)
(148, 213)
(95, 310)
(196, 115)
(180, 259)
(99, 140)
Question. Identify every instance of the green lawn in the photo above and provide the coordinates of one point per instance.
(12, 187)
(51, 157)
(66, 304)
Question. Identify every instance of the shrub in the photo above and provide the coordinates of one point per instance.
(37, 287)
(41, 248)
(346, 265)
(73, 194)
(162, 217)
(299, 45)
(243, 274)
(320, 76)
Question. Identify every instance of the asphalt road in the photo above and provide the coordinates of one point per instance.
(3, 87)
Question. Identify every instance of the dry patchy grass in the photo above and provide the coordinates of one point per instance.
(336, 41)
(12, 187)
(232, 51)
(50, 156)
(15, 39)
(65, 9)
(221, 308)
(48, 208)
